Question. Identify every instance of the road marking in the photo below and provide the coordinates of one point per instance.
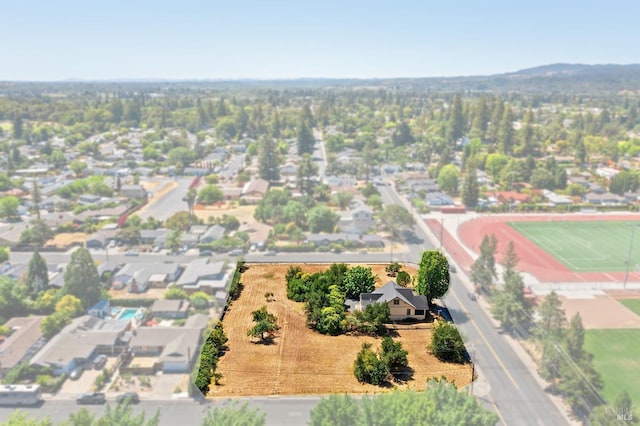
(487, 343)
(497, 409)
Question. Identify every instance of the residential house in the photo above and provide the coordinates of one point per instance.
(555, 199)
(10, 234)
(436, 200)
(170, 308)
(156, 237)
(403, 302)
(362, 217)
(202, 275)
(133, 191)
(102, 309)
(255, 190)
(214, 233)
(605, 199)
(373, 241)
(327, 239)
(189, 240)
(80, 341)
(135, 276)
(176, 348)
(24, 340)
(101, 238)
(89, 199)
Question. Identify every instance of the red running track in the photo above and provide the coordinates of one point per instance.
(533, 259)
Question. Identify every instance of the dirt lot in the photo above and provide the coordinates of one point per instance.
(243, 213)
(601, 312)
(301, 361)
(66, 239)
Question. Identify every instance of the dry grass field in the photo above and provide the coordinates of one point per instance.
(300, 360)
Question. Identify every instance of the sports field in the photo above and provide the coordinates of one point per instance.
(592, 246)
(616, 356)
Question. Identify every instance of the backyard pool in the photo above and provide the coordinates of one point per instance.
(128, 313)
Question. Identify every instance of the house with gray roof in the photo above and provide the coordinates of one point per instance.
(170, 308)
(202, 275)
(403, 302)
(24, 340)
(80, 341)
(176, 348)
(214, 233)
(136, 276)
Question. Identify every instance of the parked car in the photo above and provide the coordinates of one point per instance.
(206, 252)
(452, 268)
(92, 398)
(472, 297)
(131, 253)
(99, 362)
(76, 373)
(270, 253)
(132, 397)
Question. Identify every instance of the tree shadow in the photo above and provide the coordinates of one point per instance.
(404, 376)
(264, 342)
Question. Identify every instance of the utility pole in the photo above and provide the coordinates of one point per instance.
(626, 272)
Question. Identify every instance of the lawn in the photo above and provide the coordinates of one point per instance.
(590, 246)
(617, 358)
(302, 361)
(632, 304)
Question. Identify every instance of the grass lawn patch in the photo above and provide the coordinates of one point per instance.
(632, 304)
(591, 246)
(616, 355)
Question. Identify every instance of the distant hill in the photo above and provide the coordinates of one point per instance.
(575, 69)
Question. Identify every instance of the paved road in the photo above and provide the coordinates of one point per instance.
(285, 411)
(233, 167)
(171, 202)
(504, 382)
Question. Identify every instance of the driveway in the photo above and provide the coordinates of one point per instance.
(164, 385)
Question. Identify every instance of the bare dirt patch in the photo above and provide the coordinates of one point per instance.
(66, 239)
(300, 360)
(601, 312)
(243, 213)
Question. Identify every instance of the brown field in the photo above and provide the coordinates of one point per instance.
(300, 360)
(243, 213)
(67, 238)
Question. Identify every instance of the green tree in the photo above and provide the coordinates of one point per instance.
(180, 221)
(392, 269)
(305, 138)
(494, 164)
(37, 234)
(265, 322)
(36, 198)
(358, 279)
(175, 293)
(397, 219)
(335, 410)
(403, 278)
(369, 367)
(470, 189)
(199, 300)
(393, 355)
(210, 194)
(37, 279)
(433, 275)
(234, 414)
(190, 199)
(69, 306)
(306, 174)
(505, 132)
(122, 415)
(322, 219)
(483, 270)
(12, 299)
(456, 125)
(446, 343)
(22, 418)
(9, 207)
(552, 318)
(81, 278)
(448, 179)
(342, 199)
(78, 167)
(268, 160)
(4, 254)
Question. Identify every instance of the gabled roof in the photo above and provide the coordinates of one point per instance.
(391, 291)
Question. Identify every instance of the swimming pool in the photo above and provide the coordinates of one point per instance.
(127, 313)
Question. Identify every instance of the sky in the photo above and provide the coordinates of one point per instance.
(272, 39)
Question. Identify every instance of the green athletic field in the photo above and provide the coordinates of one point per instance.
(590, 246)
(632, 304)
(616, 356)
